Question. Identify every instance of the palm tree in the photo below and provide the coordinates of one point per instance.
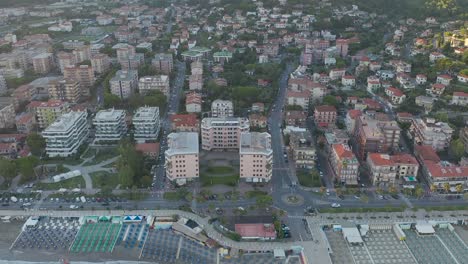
(459, 188)
(446, 187)
(419, 191)
(433, 187)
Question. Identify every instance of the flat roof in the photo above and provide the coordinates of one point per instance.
(424, 228)
(146, 113)
(182, 143)
(352, 235)
(255, 142)
(109, 114)
(64, 122)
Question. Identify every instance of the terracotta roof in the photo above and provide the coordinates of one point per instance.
(325, 108)
(303, 94)
(184, 120)
(379, 159)
(25, 118)
(404, 114)
(50, 103)
(445, 76)
(462, 94)
(427, 153)
(342, 151)
(354, 113)
(193, 98)
(147, 148)
(395, 91)
(404, 159)
(438, 86)
(438, 170)
(256, 230)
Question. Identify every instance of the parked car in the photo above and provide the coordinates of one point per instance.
(335, 205)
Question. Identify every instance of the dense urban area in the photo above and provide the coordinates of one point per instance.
(234, 131)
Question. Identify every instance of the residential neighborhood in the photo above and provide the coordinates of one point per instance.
(251, 131)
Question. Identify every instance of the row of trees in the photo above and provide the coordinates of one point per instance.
(23, 166)
(131, 166)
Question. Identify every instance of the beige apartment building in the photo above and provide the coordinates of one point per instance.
(256, 157)
(100, 63)
(386, 169)
(344, 163)
(7, 112)
(154, 83)
(84, 74)
(65, 90)
(42, 63)
(223, 133)
(182, 157)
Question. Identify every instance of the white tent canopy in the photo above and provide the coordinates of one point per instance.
(424, 229)
(352, 235)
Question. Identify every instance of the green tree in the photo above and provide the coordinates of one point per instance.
(36, 143)
(126, 176)
(457, 148)
(330, 100)
(8, 168)
(111, 100)
(26, 167)
(146, 181)
(264, 201)
(419, 191)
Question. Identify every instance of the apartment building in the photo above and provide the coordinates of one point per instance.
(344, 164)
(438, 172)
(124, 51)
(303, 149)
(82, 53)
(110, 126)
(196, 68)
(42, 63)
(376, 133)
(7, 112)
(301, 99)
(182, 157)
(65, 135)
(100, 63)
(325, 115)
(185, 123)
(47, 112)
(163, 63)
(193, 103)
(146, 122)
(196, 82)
(84, 74)
(386, 170)
(65, 59)
(154, 83)
(256, 157)
(64, 90)
(223, 133)
(222, 108)
(25, 123)
(124, 83)
(429, 132)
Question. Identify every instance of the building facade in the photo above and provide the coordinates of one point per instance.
(110, 126)
(222, 108)
(182, 157)
(223, 133)
(146, 122)
(429, 132)
(256, 157)
(124, 83)
(344, 164)
(65, 135)
(154, 83)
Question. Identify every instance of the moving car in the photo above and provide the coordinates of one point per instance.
(335, 205)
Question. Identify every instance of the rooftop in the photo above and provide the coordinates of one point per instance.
(146, 113)
(255, 142)
(109, 115)
(182, 143)
(65, 122)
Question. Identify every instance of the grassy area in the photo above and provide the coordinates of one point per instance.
(104, 179)
(308, 179)
(361, 210)
(76, 182)
(220, 170)
(90, 152)
(102, 155)
(255, 194)
(71, 162)
(224, 180)
(172, 196)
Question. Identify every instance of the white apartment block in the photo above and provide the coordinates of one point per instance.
(124, 83)
(182, 157)
(256, 157)
(222, 108)
(223, 133)
(66, 134)
(110, 125)
(147, 124)
(7, 112)
(154, 83)
(428, 132)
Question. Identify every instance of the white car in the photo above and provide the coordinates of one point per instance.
(335, 205)
(73, 206)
